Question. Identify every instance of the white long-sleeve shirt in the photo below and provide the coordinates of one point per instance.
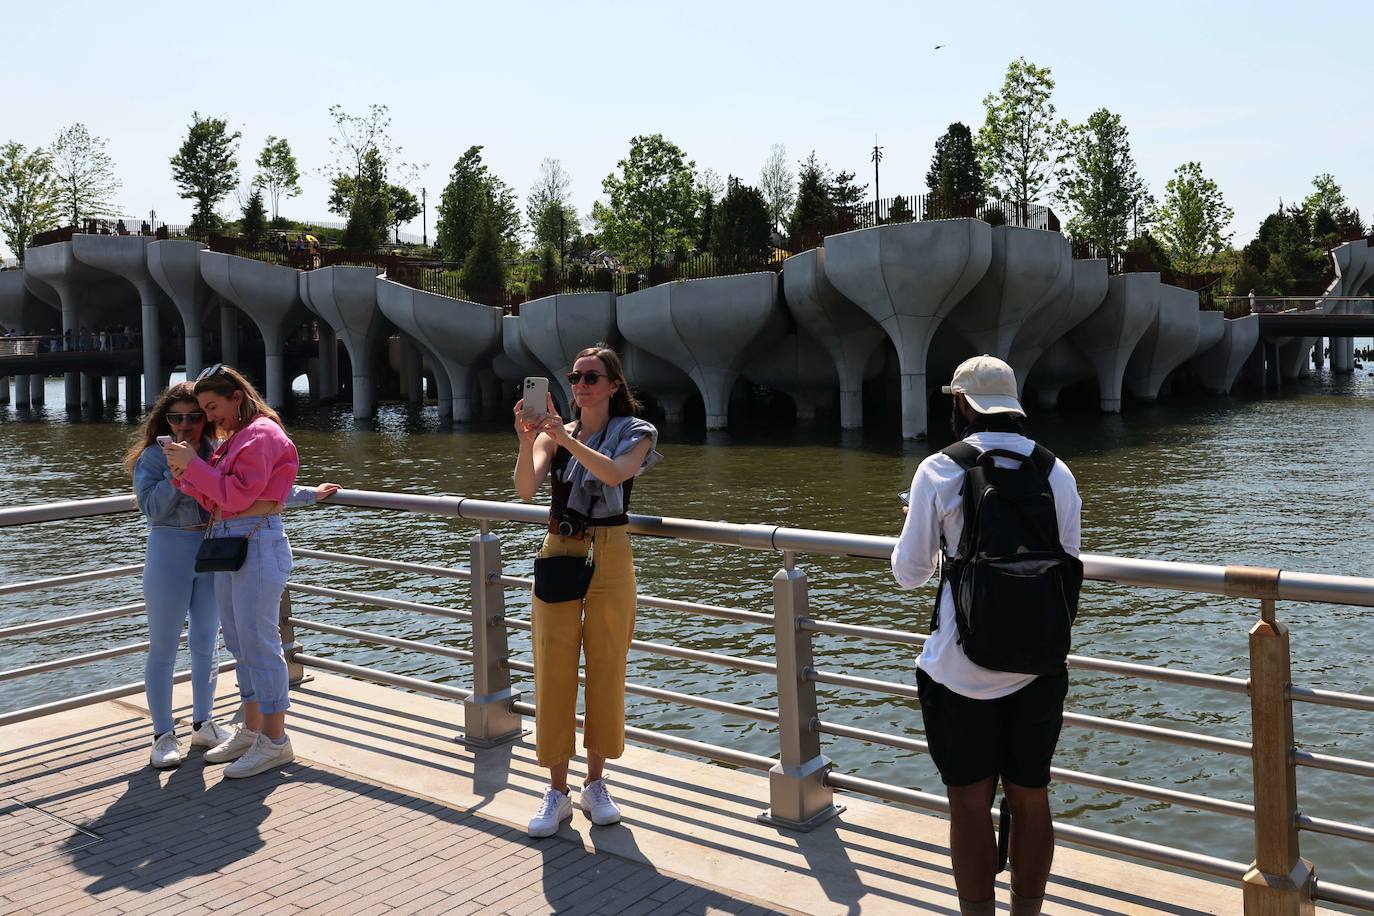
(936, 507)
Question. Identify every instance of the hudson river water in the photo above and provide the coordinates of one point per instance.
(1279, 482)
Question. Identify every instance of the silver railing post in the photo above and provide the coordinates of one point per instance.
(295, 671)
(1280, 882)
(798, 796)
(487, 715)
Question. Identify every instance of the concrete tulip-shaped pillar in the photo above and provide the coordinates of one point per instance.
(516, 357)
(1169, 342)
(346, 298)
(1108, 336)
(1218, 367)
(21, 309)
(460, 334)
(907, 278)
(125, 256)
(1030, 271)
(174, 264)
(268, 294)
(1087, 290)
(557, 328)
(797, 366)
(707, 328)
(666, 383)
(840, 326)
(69, 280)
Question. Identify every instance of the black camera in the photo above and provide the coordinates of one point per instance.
(568, 523)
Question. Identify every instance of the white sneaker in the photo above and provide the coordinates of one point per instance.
(261, 757)
(210, 734)
(595, 799)
(166, 751)
(553, 810)
(232, 749)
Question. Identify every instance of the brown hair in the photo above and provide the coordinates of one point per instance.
(623, 402)
(156, 423)
(225, 381)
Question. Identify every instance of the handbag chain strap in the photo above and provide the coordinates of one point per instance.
(262, 520)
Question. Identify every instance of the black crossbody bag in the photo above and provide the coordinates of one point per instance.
(559, 579)
(224, 554)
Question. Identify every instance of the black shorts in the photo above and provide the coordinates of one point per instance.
(1012, 736)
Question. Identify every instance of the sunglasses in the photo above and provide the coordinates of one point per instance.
(216, 369)
(190, 416)
(591, 378)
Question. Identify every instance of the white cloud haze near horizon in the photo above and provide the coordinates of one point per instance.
(1261, 94)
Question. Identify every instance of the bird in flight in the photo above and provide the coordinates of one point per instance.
(938, 47)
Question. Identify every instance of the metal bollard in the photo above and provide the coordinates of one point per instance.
(798, 796)
(488, 717)
(1280, 882)
(295, 671)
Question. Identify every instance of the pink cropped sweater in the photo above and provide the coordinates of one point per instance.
(257, 462)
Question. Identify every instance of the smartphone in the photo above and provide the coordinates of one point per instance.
(165, 440)
(905, 497)
(536, 394)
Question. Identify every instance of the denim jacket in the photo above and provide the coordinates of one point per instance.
(166, 507)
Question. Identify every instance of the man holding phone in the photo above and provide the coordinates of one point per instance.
(985, 725)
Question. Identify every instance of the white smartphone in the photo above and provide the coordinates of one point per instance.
(536, 395)
(165, 440)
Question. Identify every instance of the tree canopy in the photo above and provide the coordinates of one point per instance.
(651, 202)
(278, 173)
(1100, 185)
(85, 174)
(741, 230)
(30, 201)
(253, 226)
(955, 177)
(813, 214)
(1021, 144)
(1191, 222)
(472, 191)
(778, 185)
(206, 167)
(552, 217)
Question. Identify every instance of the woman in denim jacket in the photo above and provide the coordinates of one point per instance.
(172, 589)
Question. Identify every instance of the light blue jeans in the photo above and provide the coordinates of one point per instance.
(172, 589)
(249, 606)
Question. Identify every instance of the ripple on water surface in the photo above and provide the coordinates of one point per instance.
(1279, 482)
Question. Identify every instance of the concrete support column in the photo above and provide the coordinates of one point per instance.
(195, 346)
(88, 395)
(111, 389)
(152, 350)
(412, 385)
(275, 368)
(490, 387)
(1342, 362)
(37, 389)
(673, 404)
(1350, 353)
(228, 333)
(22, 389)
(364, 385)
(329, 363)
(131, 389)
(852, 408)
(5, 387)
(1273, 375)
(1319, 352)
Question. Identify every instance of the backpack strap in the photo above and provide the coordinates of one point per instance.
(1043, 459)
(965, 455)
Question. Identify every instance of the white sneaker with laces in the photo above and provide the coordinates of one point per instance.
(210, 734)
(233, 748)
(261, 757)
(553, 810)
(595, 799)
(166, 751)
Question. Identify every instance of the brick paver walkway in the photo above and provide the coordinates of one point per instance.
(87, 826)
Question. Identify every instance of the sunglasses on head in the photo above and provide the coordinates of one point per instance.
(190, 416)
(591, 378)
(216, 369)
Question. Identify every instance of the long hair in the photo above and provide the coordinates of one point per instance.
(623, 402)
(156, 423)
(225, 382)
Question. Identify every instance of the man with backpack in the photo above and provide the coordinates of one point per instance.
(998, 516)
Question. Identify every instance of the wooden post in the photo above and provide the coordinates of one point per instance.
(1279, 882)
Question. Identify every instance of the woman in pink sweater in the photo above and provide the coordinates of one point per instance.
(243, 485)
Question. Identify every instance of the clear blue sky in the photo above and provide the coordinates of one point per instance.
(1264, 94)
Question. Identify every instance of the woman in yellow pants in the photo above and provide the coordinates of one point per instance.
(594, 461)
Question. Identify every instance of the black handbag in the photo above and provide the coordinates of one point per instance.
(563, 578)
(223, 554)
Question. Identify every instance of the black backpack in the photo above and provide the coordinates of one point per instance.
(1015, 589)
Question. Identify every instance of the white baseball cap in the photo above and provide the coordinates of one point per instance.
(988, 384)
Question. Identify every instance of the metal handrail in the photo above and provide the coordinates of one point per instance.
(90, 699)
(113, 572)
(380, 639)
(74, 660)
(397, 604)
(42, 626)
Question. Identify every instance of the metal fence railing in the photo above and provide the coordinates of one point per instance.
(802, 777)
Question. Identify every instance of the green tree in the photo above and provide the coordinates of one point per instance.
(955, 178)
(484, 270)
(552, 217)
(206, 167)
(403, 207)
(900, 211)
(1021, 144)
(1329, 214)
(651, 203)
(253, 226)
(1191, 222)
(813, 215)
(845, 193)
(1100, 185)
(741, 228)
(710, 187)
(30, 200)
(471, 191)
(778, 185)
(85, 174)
(278, 173)
(369, 210)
